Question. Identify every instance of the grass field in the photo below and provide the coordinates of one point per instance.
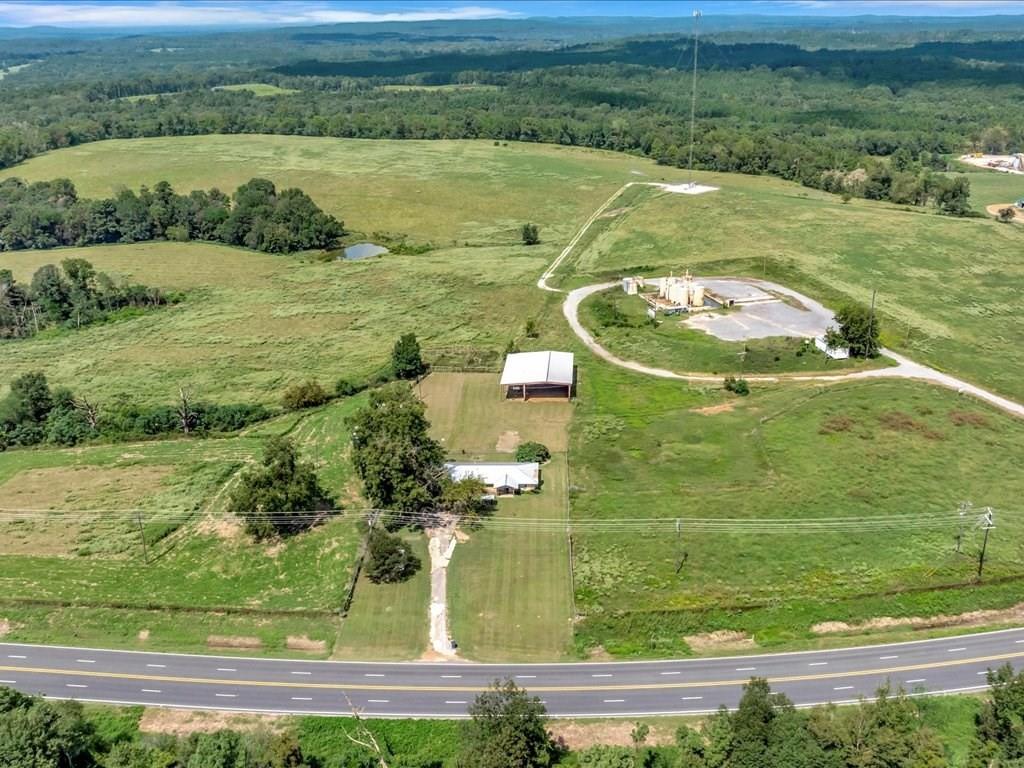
(672, 345)
(948, 289)
(991, 187)
(400, 88)
(257, 89)
(645, 448)
(204, 576)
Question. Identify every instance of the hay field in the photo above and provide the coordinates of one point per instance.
(257, 89)
(439, 191)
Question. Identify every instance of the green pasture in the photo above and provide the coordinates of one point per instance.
(655, 449)
(445, 192)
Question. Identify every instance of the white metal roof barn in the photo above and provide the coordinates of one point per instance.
(538, 373)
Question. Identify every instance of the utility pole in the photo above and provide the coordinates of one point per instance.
(965, 507)
(987, 520)
(679, 546)
(871, 318)
(142, 535)
(693, 92)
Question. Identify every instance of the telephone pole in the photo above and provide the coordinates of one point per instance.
(988, 523)
(142, 535)
(871, 319)
(965, 507)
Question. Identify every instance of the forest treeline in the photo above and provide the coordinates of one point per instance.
(48, 214)
(826, 119)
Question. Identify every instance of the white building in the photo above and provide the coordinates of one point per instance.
(500, 478)
(543, 373)
(836, 353)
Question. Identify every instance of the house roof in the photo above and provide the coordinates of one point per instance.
(497, 474)
(538, 368)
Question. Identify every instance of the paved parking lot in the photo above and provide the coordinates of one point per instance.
(799, 316)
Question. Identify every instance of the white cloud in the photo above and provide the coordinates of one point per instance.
(903, 7)
(180, 14)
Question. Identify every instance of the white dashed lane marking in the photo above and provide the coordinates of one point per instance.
(602, 675)
(151, 690)
(525, 677)
(745, 669)
(916, 680)
(302, 698)
(691, 698)
(157, 666)
(8, 682)
(378, 701)
(301, 673)
(614, 701)
(886, 658)
(226, 695)
(373, 674)
(843, 688)
(671, 673)
(955, 650)
(75, 685)
(450, 677)
(15, 656)
(817, 664)
(455, 702)
(226, 669)
(86, 661)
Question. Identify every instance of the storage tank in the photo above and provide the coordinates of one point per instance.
(678, 294)
(697, 295)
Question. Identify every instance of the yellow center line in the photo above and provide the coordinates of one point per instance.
(532, 688)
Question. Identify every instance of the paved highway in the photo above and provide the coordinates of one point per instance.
(386, 689)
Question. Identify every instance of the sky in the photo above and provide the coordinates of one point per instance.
(181, 13)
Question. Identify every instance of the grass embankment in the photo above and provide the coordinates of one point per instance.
(947, 288)
(670, 344)
(508, 588)
(648, 448)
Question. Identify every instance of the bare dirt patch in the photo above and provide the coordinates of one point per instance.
(711, 410)
(722, 640)
(227, 528)
(578, 735)
(598, 653)
(508, 441)
(233, 641)
(993, 210)
(184, 722)
(902, 422)
(968, 418)
(834, 424)
(970, 619)
(303, 643)
(143, 635)
(6, 627)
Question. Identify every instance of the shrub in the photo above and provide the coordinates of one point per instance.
(530, 234)
(346, 388)
(736, 386)
(406, 358)
(532, 451)
(608, 315)
(390, 558)
(306, 394)
(1006, 215)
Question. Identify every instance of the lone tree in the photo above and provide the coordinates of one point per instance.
(1007, 214)
(390, 558)
(507, 729)
(858, 330)
(406, 359)
(400, 465)
(531, 234)
(281, 496)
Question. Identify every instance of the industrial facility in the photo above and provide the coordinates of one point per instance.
(677, 294)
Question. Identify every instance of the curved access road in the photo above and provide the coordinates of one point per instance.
(612, 689)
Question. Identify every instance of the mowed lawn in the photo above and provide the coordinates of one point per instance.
(949, 289)
(470, 417)
(389, 621)
(644, 448)
(508, 586)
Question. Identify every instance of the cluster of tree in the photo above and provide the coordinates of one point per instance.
(258, 216)
(402, 471)
(532, 451)
(858, 330)
(282, 496)
(33, 413)
(35, 733)
(817, 117)
(73, 295)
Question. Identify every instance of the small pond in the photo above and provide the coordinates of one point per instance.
(362, 251)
